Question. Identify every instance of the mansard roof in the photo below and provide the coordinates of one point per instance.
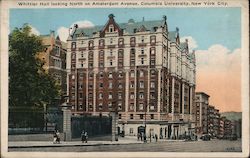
(131, 27)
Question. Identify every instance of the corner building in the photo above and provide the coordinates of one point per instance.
(139, 69)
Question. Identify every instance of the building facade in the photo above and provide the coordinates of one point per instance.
(54, 59)
(202, 103)
(138, 69)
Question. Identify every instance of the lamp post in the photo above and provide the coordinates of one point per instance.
(145, 136)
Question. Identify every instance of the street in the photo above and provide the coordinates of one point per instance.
(161, 146)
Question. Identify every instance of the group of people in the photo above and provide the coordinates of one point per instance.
(141, 136)
(84, 136)
(56, 135)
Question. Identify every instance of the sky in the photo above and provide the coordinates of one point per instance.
(214, 33)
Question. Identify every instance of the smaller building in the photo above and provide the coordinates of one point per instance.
(54, 58)
(202, 101)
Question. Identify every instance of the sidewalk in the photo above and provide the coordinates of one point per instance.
(121, 141)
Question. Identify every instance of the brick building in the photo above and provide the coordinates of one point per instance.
(139, 69)
(202, 103)
(54, 59)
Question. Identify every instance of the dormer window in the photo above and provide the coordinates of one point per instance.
(111, 28)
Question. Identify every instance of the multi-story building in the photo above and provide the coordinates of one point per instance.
(216, 123)
(210, 120)
(202, 101)
(140, 69)
(54, 59)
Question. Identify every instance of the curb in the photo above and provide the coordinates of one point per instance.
(73, 145)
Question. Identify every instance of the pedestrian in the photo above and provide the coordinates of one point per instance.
(156, 137)
(57, 137)
(86, 137)
(82, 136)
(150, 137)
(138, 136)
(145, 138)
(141, 135)
(54, 137)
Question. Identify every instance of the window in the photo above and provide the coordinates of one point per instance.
(120, 85)
(141, 95)
(142, 50)
(100, 106)
(119, 95)
(100, 95)
(91, 43)
(90, 95)
(110, 62)
(80, 95)
(73, 45)
(119, 106)
(141, 116)
(120, 116)
(132, 95)
(101, 64)
(141, 106)
(110, 105)
(152, 51)
(152, 107)
(131, 116)
(90, 85)
(110, 95)
(57, 51)
(142, 61)
(101, 42)
(142, 39)
(73, 107)
(111, 28)
(152, 39)
(152, 73)
(141, 73)
(120, 75)
(101, 85)
(132, 84)
(131, 130)
(120, 53)
(132, 74)
(132, 40)
(132, 52)
(120, 41)
(152, 62)
(131, 107)
(81, 64)
(111, 40)
(101, 74)
(152, 116)
(110, 84)
(80, 106)
(90, 75)
(80, 86)
(73, 77)
(73, 56)
(152, 84)
(141, 84)
(152, 96)
(110, 75)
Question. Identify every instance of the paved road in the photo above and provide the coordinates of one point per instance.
(164, 146)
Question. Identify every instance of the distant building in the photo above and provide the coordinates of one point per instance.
(202, 102)
(54, 59)
(139, 69)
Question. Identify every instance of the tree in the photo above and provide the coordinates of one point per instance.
(30, 87)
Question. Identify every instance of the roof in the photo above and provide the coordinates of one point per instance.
(127, 27)
(202, 93)
(172, 35)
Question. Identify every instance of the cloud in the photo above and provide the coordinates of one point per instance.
(219, 75)
(34, 30)
(63, 32)
(192, 44)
